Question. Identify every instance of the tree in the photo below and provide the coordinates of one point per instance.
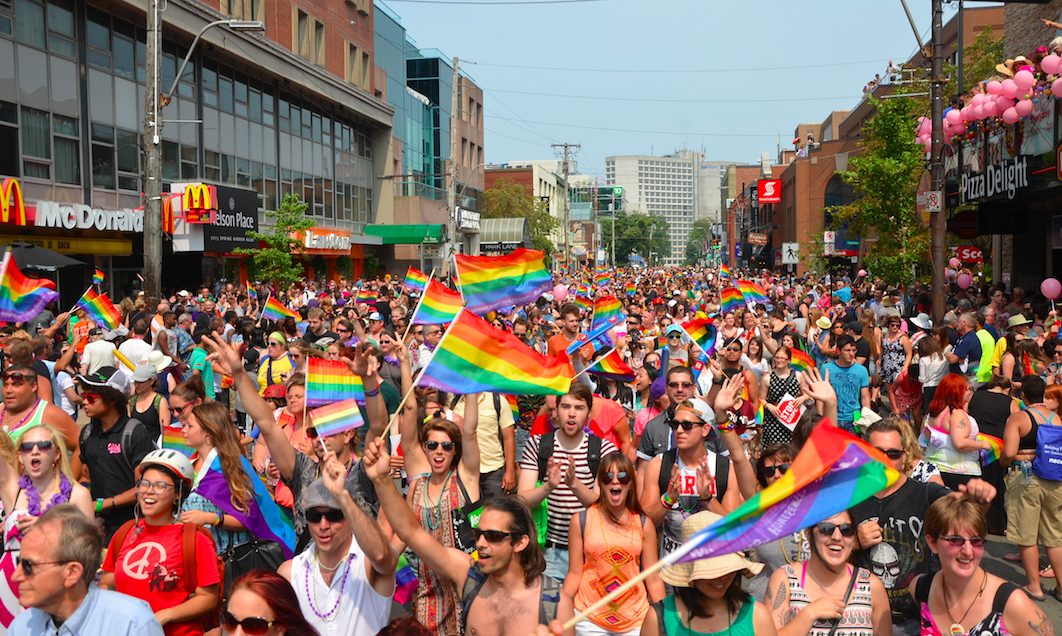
(641, 234)
(275, 261)
(507, 199)
(699, 235)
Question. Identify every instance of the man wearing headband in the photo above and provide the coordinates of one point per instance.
(277, 365)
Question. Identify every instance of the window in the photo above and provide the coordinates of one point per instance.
(29, 27)
(357, 70)
(128, 155)
(99, 39)
(213, 166)
(36, 143)
(309, 37)
(243, 9)
(67, 150)
(61, 27)
(9, 154)
(103, 157)
(319, 44)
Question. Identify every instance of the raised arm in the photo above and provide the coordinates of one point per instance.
(375, 409)
(469, 466)
(743, 469)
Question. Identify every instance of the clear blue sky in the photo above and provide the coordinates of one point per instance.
(767, 66)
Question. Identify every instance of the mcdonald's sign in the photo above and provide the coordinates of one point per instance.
(9, 189)
(200, 201)
(167, 214)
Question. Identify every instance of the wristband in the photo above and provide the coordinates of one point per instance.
(374, 392)
(665, 501)
(99, 505)
(725, 425)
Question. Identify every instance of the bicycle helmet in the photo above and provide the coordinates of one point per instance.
(274, 391)
(172, 459)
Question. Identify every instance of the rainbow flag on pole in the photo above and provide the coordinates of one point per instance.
(336, 418)
(100, 309)
(703, 332)
(97, 277)
(732, 300)
(173, 438)
(612, 366)
(274, 310)
(632, 288)
(22, 298)
(366, 295)
(605, 309)
(472, 357)
(602, 278)
(801, 361)
(416, 281)
(330, 381)
(581, 302)
(834, 471)
(439, 305)
(752, 292)
(488, 283)
(724, 271)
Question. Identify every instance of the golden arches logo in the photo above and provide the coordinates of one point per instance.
(199, 197)
(8, 189)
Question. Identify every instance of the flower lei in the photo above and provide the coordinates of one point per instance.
(391, 360)
(33, 496)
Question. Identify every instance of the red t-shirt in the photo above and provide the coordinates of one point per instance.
(152, 569)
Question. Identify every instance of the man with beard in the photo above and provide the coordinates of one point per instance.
(23, 409)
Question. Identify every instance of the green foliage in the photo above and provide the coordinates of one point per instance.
(275, 262)
(641, 234)
(979, 60)
(699, 234)
(886, 175)
(345, 266)
(812, 253)
(508, 199)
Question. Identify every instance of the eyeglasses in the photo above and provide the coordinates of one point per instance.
(623, 477)
(16, 377)
(680, 385)
(826, 529)
(178, 410)
(274, 343)
(27, 565)
(418, 332)
(432, 445)
(252, 625)
(958, 542)
(154, 486)
(333, 516)
(92, 398)
(686, 426)
(44, 445)
(674, 336)
(769, 471)
(893, 453)
(492, 536)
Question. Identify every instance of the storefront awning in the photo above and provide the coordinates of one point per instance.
(505, 234)
(407, 234)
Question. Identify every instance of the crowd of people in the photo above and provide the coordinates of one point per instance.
(164, 477)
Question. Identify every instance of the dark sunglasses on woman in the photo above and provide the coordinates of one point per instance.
(432, 445)
(826, 529)
(623, 477)
(768, 471)
(252, 625)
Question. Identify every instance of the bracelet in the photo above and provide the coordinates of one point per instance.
(725, 425)
(99, 505)
(665, 501)
(374, 392)
(217, 521)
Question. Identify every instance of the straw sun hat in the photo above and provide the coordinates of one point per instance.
(684, 574)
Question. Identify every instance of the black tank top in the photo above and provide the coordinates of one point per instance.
(991, 411)
(150, 418)
(1028, 442)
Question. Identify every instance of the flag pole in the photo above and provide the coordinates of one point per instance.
(616, 593)
(591, 365)
(410, 325)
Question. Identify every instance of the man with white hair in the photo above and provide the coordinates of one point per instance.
(965, 357)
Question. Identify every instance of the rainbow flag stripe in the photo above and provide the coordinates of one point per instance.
(97, 277)
(416, 281)
(439, 305)
(513, 406)
(606, 308)
(581, 302)
(731, 300)
(612, 366)
(366, 295)
(472, 357)
(336, 418)
(330, 381)
(703, 332)
(173, 438)
(602, 279)
(492, 282)
(759, 415)
(801, 361)
(252, 293)
(724, 271)
(834, 471)
(989, 456)
(752, 292)
(632, 288)
(22, 298)
(100, 309)
(274, 310)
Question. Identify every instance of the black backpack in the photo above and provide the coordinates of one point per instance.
(722, 472)
(127, 438)
(545, 451)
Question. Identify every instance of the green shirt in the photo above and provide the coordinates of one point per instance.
(742, 625)
(988, 345)
(206, 370)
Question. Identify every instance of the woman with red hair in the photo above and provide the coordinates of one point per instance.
(263, 603)
(950, 433)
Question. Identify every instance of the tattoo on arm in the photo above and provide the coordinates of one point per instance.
(783, 618)
(780, 597)
(963, 423)
(1043, 627)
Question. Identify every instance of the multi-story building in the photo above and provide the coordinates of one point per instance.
(295, 108)
(544, 180)
(662, 186)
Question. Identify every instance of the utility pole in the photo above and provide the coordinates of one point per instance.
(451, 191)
(936, 165)
(567, 200)
(153, 160)
(612, 213)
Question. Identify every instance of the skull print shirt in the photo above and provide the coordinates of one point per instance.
(903, 552)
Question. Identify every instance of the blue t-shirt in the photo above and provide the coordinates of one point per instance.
(848, 382)
(968, 348)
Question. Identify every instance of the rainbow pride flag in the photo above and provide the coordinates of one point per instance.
(337, 417)
(752, 292)
(703, 332)
(366, 295)
(330, 381)
(274, 310)
(724, 271)
(582, 302)
(406, 581)
(605, 309)
(97, 277)
(613, 367)
(492, 282)
(602, 278)
(22, 298)
(759, 415)
(416, 281)
(252, 293)
(989, 456)
(731, 300)
(513, 406)
(261, 517)
(834, 471)
(472, 357)
(801, 361)
(632, 288)
(173, 438)
(100, 309)
(438, 306)
(598, 333)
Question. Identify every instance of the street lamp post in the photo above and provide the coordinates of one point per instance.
(154, 100)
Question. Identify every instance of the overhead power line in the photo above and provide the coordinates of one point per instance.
(644, 132)
(673, 101)
(671, 70)
(495, 2)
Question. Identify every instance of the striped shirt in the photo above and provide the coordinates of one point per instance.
(562, 502)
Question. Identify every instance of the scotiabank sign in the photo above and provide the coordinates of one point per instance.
(64, 216)
(769, 190)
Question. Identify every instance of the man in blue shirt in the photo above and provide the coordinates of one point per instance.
(59, 557)
(965, 358)
(850, 381)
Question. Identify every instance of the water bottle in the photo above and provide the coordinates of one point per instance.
(1026, 473)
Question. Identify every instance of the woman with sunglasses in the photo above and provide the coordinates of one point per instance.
(962, 598)
(443, 488)
(159, 577)
(278, 364)
(896, 353)
(824, 593)
(186, 396)
(263, 603)
(781, 381)
(617, 542)
(391, 370)
(742, 413)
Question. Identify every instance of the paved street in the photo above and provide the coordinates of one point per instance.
(1013, 572)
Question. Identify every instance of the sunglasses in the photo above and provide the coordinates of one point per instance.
(333, 516)
(177, 410)
(957, 542)
(252, 625)
(674, 336)
(680, 385)
(623, 477)
(893, 453)
(27, 565)
(432, 445)
(44, 445)
(769, 471)
(92, 398)
(826, 529)
(733, 348)
(686, 426)
(16, 377)
(492, 536)
(340, 330)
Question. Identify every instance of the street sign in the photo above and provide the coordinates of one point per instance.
(790, 253)
(828, 240)
(924, 183)
(755, 238)
(933, 200)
